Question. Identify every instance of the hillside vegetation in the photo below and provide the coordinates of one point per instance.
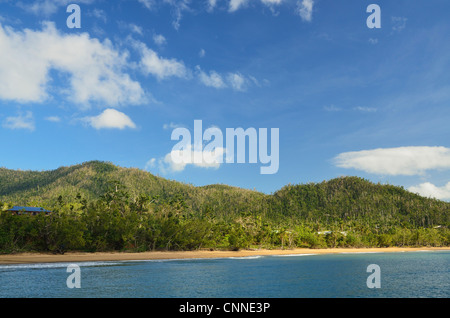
(101, 207)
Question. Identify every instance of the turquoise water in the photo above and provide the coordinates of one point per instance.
(408, 274)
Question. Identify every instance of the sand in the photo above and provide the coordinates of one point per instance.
(73, 257)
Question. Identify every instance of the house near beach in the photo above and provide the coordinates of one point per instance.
(21, 210)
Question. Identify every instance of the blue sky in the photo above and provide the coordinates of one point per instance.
(347, 99)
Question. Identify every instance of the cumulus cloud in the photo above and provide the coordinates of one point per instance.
(159, 67)
(429, 190)
(233, 80)
(406, 161)
(21, 121)
(213, 79)
(111, 119)
(178, 160)
(305, 9)
(96, 70)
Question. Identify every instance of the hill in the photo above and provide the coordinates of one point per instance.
(92, 180)
(168, 214)
(353, 198)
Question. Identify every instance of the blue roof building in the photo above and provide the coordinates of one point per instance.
(18, 210)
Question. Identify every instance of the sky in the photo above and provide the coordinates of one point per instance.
(346, 99)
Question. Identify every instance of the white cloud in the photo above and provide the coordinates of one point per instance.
(253, 80)
(95, 69)
(159, 39)
(305, 9)
(150, 164)
(174, 160)
(21, 121)
(136, 29)
(202, 53)
(99, 14)
(373, 41)
(236, 4)
(237, 81)
(160, 67)
(396, 161)
(214, 79)
(178, 6)
(211, 5)
(47, 7)
(112, 119)
(149, 4)
(271, 2)
(429, 190)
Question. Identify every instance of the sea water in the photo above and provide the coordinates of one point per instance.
(404, 274)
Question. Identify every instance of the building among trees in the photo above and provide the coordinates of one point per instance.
(19, 210)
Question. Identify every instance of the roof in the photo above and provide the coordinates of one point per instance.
(27, 209)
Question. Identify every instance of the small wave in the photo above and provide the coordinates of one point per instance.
(291, 255)
(58, 265)
(245, 257)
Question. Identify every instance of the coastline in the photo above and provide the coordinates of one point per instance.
(32, 258)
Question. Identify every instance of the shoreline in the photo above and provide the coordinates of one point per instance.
(33, 258)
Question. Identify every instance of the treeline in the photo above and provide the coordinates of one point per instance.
(345, 212)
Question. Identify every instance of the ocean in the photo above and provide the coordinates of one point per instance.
(397, 275)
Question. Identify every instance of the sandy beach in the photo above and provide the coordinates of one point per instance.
(29, 258)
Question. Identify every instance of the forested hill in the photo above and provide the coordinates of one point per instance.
(95, 179)
(90, 180)
(345, 198)
(99, 206)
